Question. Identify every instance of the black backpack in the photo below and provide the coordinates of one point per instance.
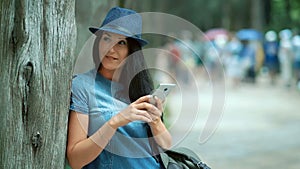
(176, 158)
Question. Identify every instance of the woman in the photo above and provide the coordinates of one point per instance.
(110, 114)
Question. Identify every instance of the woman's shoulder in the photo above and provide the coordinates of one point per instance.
(83, 79)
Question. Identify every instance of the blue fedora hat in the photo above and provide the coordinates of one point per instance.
(122, 21)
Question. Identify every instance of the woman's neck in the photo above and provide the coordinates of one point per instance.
(108, 74)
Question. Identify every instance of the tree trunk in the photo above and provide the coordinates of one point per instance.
(37, 40)
(257, 14)
(226, 12)
(287, 6)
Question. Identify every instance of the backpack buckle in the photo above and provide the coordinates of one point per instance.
(202, 165)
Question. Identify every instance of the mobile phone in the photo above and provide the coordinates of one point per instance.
(162, 91)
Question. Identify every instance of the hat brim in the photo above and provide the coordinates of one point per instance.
(142, 42)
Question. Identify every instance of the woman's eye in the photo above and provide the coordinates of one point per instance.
(122, 42)
(107, 39)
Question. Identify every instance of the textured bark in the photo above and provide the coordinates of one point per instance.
(37, 40)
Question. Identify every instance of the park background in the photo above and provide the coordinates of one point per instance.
(40, 43)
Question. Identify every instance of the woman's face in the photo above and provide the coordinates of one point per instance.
(113, 49)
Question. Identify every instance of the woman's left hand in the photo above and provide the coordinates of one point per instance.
(156, 111)
(158, 129)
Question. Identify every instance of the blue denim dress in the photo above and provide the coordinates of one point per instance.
(129, 148)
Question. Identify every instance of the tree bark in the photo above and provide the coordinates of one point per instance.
(226, 12)
(287, 6)
(257, 14)
(37, 40)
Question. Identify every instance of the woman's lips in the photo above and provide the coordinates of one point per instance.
(111, 58)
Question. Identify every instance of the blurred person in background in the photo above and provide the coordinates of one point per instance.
(286, 56)
(296, 50)
(213, 53)
(271, 47)
(198, 47)
(168, 59)
(175, 52)
(231, 59)
(259, 56)
(247, 57)
(187, 60)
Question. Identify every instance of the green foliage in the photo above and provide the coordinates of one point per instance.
(229, 14)
(285, 14)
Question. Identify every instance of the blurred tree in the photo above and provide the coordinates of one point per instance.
(287, 6)
(267, 11)
(229, 14)
(295, 15)
(226, 13)
(121, 3)
(257, 14)
(37, 39)
(285, 14)
(89, 13)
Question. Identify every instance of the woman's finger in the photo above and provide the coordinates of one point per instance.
(143, 99)
(145, 106)
(159, 103)
(143, 115)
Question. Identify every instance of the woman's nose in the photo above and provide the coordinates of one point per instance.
(112, 48)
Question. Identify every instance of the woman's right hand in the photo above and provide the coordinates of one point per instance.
(138, 110)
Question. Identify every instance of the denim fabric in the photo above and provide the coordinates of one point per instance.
(129, 148)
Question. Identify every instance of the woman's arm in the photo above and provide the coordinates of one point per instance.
(80, 149)
(161, 134)
(158, 128)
